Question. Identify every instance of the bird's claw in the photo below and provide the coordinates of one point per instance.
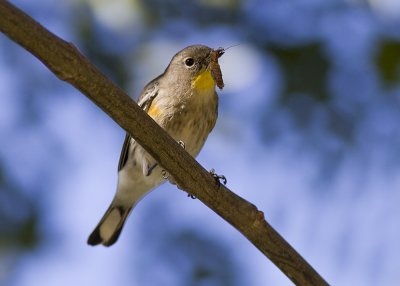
(218, 178)
(192, 196)
(180, 142)
(165, 174)
(171, 179)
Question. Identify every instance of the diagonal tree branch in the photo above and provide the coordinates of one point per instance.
(63, 59)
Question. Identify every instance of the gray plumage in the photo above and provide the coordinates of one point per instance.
(187, 112)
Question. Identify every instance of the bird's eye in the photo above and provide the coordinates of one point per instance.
(189, 62)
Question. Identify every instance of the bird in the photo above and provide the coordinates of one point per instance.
(184, 102)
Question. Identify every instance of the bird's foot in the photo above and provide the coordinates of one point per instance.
(180, 142)
(164, 174)
(218, 178)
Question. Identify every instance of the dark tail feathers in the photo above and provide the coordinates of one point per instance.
(109, 227)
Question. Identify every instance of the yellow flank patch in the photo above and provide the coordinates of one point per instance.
(154, 111)
(204, 81)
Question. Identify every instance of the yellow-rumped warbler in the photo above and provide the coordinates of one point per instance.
(183, 101)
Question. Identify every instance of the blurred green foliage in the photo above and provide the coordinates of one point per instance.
(305, 69)
(203, 13)
(387, 60)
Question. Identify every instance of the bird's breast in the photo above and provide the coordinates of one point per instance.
(193, 119)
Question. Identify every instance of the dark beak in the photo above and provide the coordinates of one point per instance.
(220, 52)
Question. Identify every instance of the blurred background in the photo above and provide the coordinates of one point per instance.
(308, 131)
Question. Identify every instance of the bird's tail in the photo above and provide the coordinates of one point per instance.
(110, 226)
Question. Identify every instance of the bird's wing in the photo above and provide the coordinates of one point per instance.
(146, 98)
(124, 152)
(150, 91)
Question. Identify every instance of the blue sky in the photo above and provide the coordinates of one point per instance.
(334, 201)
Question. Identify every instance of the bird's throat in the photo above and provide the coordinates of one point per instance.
(204, 81)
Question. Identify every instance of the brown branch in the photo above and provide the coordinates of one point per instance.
(68, 64)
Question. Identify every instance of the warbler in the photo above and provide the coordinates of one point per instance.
(184, 102)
